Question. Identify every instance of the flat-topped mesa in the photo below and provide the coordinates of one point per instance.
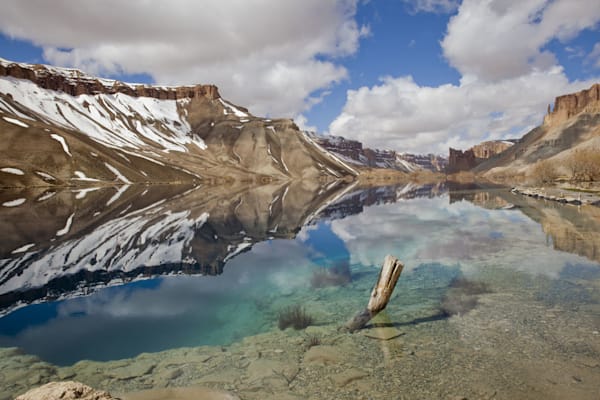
(569, 105)
(74, 82)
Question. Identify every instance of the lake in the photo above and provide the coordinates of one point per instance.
(141, 287)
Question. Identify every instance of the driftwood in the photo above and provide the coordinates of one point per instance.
(382, 291)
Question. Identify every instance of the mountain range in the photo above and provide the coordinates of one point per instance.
(62, 127)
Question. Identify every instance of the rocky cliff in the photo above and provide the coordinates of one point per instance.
(459, 160)
(431, 162)
(353, 152)
(62, 127)
(74, 82)
(569, 105)
(572, 126)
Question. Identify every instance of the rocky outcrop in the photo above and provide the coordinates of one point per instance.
(459, 160)
(569, 105)
(572, 127)
(490, 148)
(65, 391)
(346, 147)
(380, 158)
(75, 83)
(431, 162)
(353, 151)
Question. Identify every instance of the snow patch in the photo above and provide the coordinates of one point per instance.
(23, 249)
(67, 228)
(81, 193)
(236, 111)
(46, 196)
(116, 196)
(45, 176)
(63, 143)
(119, 175)
(14, 203)
(14, 171)
(240, 247)
(15, 122)
(82, 177)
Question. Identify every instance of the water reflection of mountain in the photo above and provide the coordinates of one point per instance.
(569, 228)
(71, 242)
(68, 242)
(354, 202)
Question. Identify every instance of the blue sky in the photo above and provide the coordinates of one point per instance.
(408, 75)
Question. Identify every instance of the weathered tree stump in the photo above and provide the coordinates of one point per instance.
(382, 291)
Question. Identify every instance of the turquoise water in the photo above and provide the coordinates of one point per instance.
(461, 249)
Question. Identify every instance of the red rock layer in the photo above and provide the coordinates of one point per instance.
(75, 83)
(569, 105)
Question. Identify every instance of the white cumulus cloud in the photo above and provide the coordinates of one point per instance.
(507, 81)
(269, 55)
(594, 56)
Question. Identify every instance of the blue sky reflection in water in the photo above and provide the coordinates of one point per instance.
(437, 239)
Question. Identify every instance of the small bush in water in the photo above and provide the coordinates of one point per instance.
(294, 316)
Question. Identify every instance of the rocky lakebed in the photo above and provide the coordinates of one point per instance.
(501, 345)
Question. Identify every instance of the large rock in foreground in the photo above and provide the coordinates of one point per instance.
(65, 391)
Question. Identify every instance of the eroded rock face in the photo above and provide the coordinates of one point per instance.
(569, 105)
(459, 160)
(489, 149)
(466, 160)
(376, 158)
(75, 83)
(65, 391)
(431, 162)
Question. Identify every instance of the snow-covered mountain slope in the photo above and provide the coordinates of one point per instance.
(60, 126)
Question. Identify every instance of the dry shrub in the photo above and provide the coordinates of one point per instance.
(544, 172)
(294, 316)
(585, 165)
(312, 341)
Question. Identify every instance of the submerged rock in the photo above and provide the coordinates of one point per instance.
(323, 355)
(65, 391)
(189, 393)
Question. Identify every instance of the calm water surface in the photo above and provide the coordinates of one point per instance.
(496, 283)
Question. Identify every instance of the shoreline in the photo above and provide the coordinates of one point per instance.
(560, 195)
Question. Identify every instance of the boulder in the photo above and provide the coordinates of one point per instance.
(68, 390)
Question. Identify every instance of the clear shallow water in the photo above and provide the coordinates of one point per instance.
(476, 269)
